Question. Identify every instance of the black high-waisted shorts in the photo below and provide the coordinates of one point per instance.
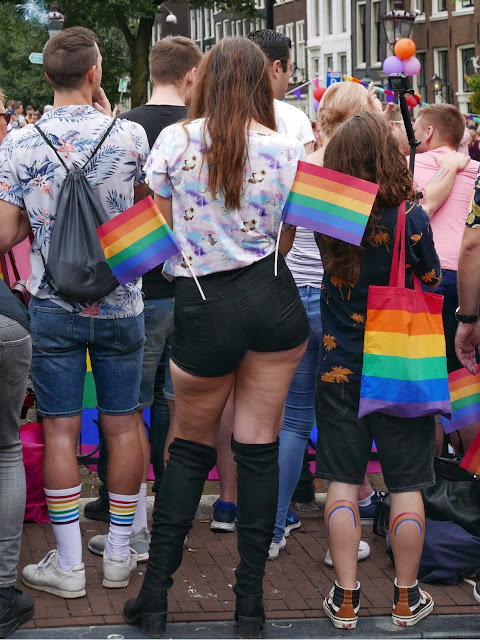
(248, 308)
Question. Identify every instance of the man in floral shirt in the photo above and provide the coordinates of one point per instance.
(31, 178)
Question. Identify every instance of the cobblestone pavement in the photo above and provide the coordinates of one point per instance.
(294, 584)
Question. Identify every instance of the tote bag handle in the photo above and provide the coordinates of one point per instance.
(397, 272)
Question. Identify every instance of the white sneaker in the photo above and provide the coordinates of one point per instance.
(275, 548)
(117, 571)
(139, 544)
(363, 553)
(46, 576)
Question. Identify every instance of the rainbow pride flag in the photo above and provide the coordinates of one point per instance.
(137, 240)
(404, 365)
(471, 460)
(465, 397)
(330, 202)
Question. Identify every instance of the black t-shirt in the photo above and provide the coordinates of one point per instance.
(153, 118)
(12, 307)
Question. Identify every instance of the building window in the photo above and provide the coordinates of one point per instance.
(218, 31)
(329, 12)
(226, 28)
(361, 33)
(239, 28)
(329, 63)
(300, 29)
(233, 29)
(376, 28)
(421, 77)
(343, 15)
(315, 5)
(343, 63)
(464, 4)
(315, 68)
(418, 5)
(467, 61)
(193, 26)
(439, 6)
(290, 34)
(442, 70)
(280, 29)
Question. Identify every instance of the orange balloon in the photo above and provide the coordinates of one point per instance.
(404, 48)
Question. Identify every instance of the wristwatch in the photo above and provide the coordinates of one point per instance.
(465, 319)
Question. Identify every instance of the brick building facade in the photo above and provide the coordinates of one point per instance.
(447, 35)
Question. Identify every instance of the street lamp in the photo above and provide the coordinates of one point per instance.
(437, 83)
(397, 23)
(171, 18)
(55, 20)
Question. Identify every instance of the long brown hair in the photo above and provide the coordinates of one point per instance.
(232, 88)
(365, 147)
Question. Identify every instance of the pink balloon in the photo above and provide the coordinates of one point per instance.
(392, 64)
(411, 66)
(316, 104)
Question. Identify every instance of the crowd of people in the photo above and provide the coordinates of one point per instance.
(239, 344)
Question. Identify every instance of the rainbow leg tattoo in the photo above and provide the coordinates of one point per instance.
(339, 505)
(408, 517)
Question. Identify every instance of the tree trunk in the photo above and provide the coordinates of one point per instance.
(139, 51)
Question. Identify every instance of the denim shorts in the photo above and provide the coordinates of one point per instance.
(245, 309)
(158, 316)
(60, 340)
(405, 446)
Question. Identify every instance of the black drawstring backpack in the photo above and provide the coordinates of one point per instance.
(76, 268)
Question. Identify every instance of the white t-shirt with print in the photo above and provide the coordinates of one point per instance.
(293, 121)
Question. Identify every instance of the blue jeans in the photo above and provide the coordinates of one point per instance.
(158, 327)
(299, 417)
(59, 360)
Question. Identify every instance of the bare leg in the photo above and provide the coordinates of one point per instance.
(365, 489)
(172, 429)
(125, 457)
(342, 522)
(60, 468)
(407, 531)
(226, 466)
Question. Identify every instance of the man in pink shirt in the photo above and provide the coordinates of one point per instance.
(440, 129)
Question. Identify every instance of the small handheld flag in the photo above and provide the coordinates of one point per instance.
(137, 240)
(471, 460)
(330, 202)
(465, 397)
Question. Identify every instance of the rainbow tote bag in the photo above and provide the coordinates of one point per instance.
(404, 360)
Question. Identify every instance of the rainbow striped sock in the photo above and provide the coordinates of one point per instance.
(122, 515)
(63, 504)
(63, 509)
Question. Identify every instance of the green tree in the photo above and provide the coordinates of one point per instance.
(19, 79)
(473, 82)
(134, 19)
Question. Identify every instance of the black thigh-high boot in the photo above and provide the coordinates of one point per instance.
(257, 507)
(175, 505)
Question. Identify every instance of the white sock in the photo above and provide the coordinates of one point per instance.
(366, 501)
(122, 515)
(63, 510)
(140, 521)
(402, 587)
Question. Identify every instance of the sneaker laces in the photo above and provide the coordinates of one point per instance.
(48, 559)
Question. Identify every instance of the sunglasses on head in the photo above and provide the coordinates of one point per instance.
(7, 117)
(473, 128)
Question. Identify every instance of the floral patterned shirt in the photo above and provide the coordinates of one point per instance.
(31, 177)
(213, 238)
(344, 305)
